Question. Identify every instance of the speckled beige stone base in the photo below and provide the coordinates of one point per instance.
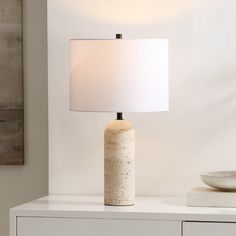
(119, 166)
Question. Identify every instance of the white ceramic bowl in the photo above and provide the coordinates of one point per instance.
(223, 180)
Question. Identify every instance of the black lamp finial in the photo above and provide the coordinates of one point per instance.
(118, 36)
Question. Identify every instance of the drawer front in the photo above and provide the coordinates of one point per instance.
(95, 227)
(209, 229)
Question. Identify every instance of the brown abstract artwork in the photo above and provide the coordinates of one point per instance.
(11, 83)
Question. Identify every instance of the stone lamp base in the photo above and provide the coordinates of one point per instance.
(119, 169)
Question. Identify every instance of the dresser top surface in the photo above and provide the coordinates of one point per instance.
(145, 208)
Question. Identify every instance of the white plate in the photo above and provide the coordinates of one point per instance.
(223, 180)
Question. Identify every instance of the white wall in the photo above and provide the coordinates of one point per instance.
(19, 184)
(197, 134)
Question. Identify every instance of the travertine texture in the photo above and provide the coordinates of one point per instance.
(119, 166)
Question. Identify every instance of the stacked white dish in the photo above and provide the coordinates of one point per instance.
(221, 193)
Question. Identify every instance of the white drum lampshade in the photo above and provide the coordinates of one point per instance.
(119, 76)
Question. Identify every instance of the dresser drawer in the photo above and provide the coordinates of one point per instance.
(209, 229)
(27, 226)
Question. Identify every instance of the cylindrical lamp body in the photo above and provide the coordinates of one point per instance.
(119, 168)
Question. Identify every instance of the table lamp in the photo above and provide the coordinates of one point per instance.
(119, 75)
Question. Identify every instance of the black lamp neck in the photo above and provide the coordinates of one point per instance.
(119, 116)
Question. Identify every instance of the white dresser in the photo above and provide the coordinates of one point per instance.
(87, 216)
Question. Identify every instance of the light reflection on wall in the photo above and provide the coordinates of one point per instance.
(129, 11)
(198, 134)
